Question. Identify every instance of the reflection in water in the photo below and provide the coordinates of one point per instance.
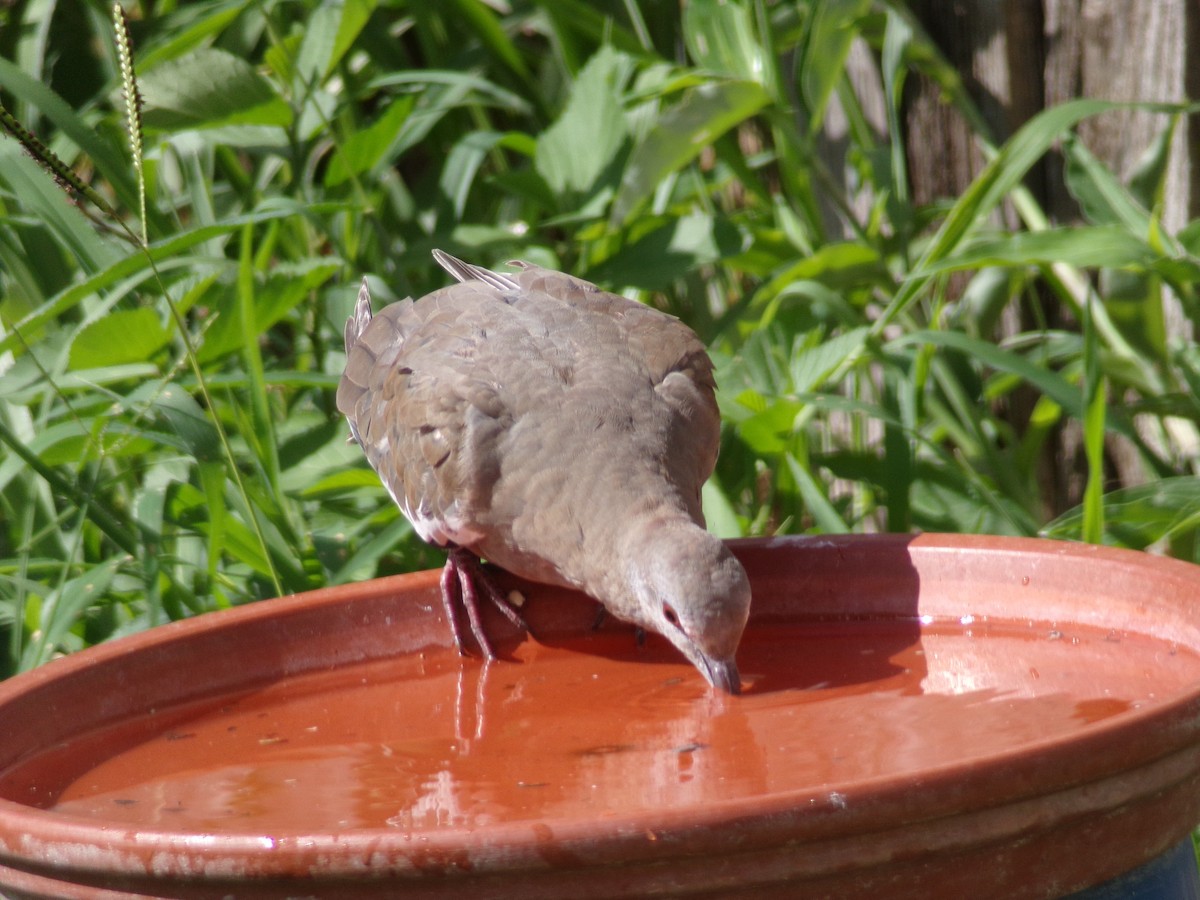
(596, 727)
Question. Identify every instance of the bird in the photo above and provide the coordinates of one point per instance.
(560, 432)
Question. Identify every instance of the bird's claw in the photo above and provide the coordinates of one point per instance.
(461, 578)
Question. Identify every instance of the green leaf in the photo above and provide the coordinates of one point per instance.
(260, 431)
(227, 532)
(810, 367)
(681, 132)
(842, 265)
(720, 37)
(1094, 413)
(197, 24)
(815, 501)
(1140, 516)
(1005, 171)
(574, 151)
(314, 57)
(463, 163)
(1088, 247)
(273, 299)
(46, 202)
(433, 105)
(189, 422)
(1103, 199)
(804, 305)
(340, 483)
(832, 28)
(213, 479)
(897, 38)
(63, 606)
(330, 32)
(669, 252)
(367, 147)
(125, 336)
(87, 379)
(479, 89)
(482, 20)
(355, 15)
(67, 443)
(99, 511)
(363, 563)
(1134, 302)
(573, 19)
(998, 178)
(161, 253)
(1148, 179)
(111, 162)
(719, 513)
(210, 87)
(767, 431)
(1049, 383)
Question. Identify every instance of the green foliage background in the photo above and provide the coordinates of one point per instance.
(168, 437)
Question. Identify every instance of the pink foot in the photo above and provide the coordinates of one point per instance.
(461, 578)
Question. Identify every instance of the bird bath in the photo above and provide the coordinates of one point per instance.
(931, 716)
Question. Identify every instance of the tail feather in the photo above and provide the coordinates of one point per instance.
(464, 271)
(351, 386)
(358, 322)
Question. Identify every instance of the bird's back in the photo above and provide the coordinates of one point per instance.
(528, 416)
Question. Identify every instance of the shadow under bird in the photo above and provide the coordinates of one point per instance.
(560, 432)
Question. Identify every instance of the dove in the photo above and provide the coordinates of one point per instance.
(559, 432)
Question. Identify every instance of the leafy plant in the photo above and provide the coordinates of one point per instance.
(171, 324)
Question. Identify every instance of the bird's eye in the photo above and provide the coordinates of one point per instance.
(670, 615)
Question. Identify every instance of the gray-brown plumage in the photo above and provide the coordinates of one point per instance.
(560, 432)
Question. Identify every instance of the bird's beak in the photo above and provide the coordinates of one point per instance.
(722, 674)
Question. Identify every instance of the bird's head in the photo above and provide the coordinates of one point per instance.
(687, 586)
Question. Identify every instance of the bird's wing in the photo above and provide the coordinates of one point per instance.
(675, 360)
(537, 375)
(428, 418)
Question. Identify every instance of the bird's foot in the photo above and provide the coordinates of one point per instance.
(462, 578)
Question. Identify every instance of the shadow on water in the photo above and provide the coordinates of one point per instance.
(826, 613)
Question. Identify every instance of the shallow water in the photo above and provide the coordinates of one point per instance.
(595, 727)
